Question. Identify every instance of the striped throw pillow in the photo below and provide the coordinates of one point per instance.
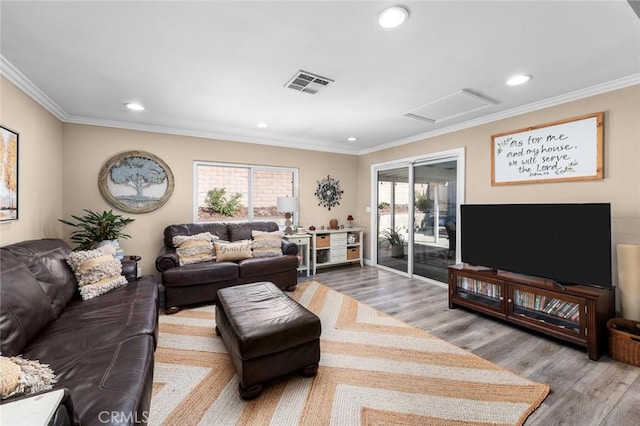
(194, 248)
(266, 244)
(97, 271)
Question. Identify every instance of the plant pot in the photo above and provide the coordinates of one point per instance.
(397, 251)
(119, 254)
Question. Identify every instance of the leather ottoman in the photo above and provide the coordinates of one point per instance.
(267, 334)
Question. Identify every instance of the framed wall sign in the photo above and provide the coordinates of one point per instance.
(8, 174)
(565, 150)
(136, 182)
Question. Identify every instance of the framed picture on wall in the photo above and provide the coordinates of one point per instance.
(565, 150)
(136, 182)
(8, 175)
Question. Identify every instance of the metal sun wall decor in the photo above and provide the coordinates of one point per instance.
(328, 192)
(136, 182)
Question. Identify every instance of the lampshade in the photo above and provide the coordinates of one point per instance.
(287, 204)
(349, 217)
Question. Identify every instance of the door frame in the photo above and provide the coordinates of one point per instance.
(456, 154)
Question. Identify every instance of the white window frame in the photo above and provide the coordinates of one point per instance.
(251, 167)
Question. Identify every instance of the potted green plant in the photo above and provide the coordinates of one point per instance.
(93, 229)
(395, 238)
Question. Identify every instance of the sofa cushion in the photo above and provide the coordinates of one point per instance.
(266, 244)
(25, 308)
(116, 377)
(97, 271)
(47, 261)
(216, 229)
(261, 267)
(243, 230)
(194, 248)
(233, 251)
(200, 273)
(82, 327)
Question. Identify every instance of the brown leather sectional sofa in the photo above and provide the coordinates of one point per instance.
(100, 349)
(197, 283)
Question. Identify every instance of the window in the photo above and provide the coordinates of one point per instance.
(235, 193)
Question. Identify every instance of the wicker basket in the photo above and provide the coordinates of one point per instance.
(624, 340)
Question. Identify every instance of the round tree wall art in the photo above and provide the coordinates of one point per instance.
(136, 182)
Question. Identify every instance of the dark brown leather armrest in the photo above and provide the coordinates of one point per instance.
(289, 247)
(129, 269)
(167, 258)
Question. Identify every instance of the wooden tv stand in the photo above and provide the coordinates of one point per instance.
(575, 313)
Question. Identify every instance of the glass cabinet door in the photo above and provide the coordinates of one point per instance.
(487, 293)
(565, 312)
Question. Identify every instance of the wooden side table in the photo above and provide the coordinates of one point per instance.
(302, 240)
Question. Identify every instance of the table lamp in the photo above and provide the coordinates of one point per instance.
(350, 219)
(288, 205)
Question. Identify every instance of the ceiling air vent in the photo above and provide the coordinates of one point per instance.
(307, 82)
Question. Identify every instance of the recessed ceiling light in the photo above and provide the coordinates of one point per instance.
(262, 125)
(352, 139)
(517, 80)
(393, 17)
(134, 106)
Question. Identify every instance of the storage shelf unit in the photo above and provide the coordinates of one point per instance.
(576, 314)
(335, 247)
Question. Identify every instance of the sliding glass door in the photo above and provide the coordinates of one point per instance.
(434, 191)
(393, 218)
(417, 209)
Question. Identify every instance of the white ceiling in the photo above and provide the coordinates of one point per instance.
(217, 68)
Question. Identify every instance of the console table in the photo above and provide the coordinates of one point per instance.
(574, 313)
(333, 247)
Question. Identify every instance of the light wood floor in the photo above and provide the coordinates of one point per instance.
(583, 392)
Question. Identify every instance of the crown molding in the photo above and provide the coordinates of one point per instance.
(226, 137)
(23, 83)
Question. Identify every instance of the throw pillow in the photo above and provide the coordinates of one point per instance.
(97, 271)
(194, 248)
(24, 376)
(267, 244)
(233, 251)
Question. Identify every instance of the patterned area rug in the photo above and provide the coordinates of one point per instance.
(374, 370)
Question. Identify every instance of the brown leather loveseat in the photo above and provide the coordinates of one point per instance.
(197, 283)
(101, 349)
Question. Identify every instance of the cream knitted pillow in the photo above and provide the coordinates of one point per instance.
(266, 244)
(97, 271)
(24, 376)
(194, 248)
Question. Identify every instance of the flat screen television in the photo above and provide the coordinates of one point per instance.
(566, 243)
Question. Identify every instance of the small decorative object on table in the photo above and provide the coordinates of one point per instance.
(350, 219)
(333, 224)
